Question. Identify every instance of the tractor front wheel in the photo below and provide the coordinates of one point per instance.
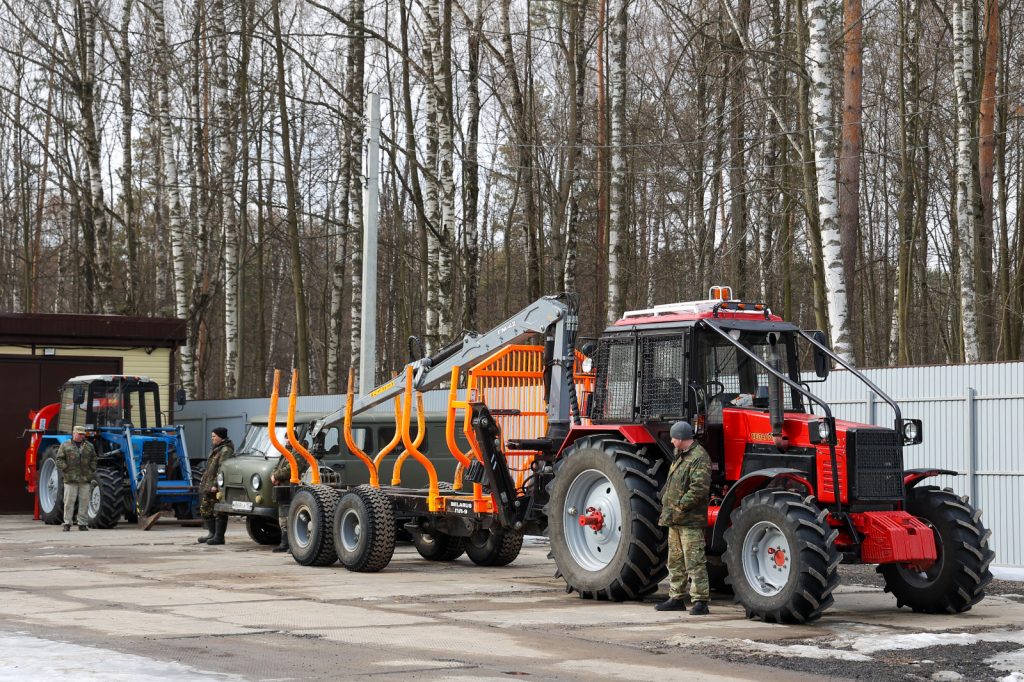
(603, 519)
(781, 557)
(50, 488)
(106, 502)
(311, 525)
(957, 579)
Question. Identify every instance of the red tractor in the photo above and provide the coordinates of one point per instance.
(795, 491)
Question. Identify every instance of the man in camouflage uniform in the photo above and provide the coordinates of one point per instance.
(282, 475)
(684, 511)
(76, 460)
(216, 524)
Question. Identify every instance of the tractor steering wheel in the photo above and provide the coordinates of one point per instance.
(711, 396)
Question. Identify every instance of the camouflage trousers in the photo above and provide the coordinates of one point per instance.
(282, 517)
(206, 503)
(686, 559)
(76, 493)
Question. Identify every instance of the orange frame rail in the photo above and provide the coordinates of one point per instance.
(314, 468)
(272, 430)
(371, 465)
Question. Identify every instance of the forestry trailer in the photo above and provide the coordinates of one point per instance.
(575, 445)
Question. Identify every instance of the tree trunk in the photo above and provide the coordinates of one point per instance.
(824, 155)
(849, 165)
(471, 175)
(617, 216)
(986, 173)
(298, 290)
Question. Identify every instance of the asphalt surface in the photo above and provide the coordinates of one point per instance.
(94, 605)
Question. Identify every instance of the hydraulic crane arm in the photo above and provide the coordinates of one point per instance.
(554, 316)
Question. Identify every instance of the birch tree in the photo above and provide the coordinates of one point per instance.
(820, 77)
(617, 201)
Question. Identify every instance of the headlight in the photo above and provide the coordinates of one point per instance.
(256, 481)
(912, 431)
(220, 479)
(824, 431)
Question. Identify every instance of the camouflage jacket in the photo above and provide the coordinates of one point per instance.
(684, 499)
(225, 449)
(283, 471)
(76, 462)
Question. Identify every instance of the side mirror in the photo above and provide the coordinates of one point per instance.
(588, 349)
(179, 397)
(822, 362)
(79, 395)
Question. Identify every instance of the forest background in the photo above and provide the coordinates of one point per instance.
(857, 167)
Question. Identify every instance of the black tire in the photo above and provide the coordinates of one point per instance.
(637, 546)
(438, 546)
(106, 502)
(190, 510)
(145, 496)
(364, 529)
(718, 574)
(808, 572)
(311, 525)
(52, 514)
(495, 547)
(957, 580)
(263, 531)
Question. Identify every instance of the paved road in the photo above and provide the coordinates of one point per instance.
(159, 602)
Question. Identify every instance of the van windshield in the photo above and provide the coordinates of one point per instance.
(257, 441)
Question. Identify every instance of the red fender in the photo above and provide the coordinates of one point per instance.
(41, 420)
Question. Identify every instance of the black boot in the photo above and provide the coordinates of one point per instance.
(283, 547)
(221, 525)
(700, 608)
(209, 525)
(672, 604)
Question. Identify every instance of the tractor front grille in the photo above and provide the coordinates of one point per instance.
(874, 460)
(154, 451)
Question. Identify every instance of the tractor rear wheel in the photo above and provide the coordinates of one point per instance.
(310, 525)
(620, 552)
(106, 502)
(781, 557)
(263, 531)
(495, 547)
(364, 529)
(439, 546)
(957, 579)
(50, 488)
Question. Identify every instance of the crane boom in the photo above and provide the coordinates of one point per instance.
(554, 316)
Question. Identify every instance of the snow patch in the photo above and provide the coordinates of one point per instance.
(1010, 661)
(748, 646)
(919, 640)
(24, 657)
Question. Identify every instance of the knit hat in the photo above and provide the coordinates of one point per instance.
(681, 431)
(78, 429)
(221, 432)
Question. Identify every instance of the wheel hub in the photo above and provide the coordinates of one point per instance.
(351, 530)
(767, 561)
(303, 527)
(592, 537)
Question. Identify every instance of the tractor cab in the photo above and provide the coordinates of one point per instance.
(109, 401)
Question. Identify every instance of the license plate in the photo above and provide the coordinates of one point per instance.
(239, 505)
(461, 507)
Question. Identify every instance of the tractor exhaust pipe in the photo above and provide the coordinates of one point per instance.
(776, 409)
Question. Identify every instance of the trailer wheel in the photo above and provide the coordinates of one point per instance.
(310, 525)
(622, 554)
(106, 501)
(438, 546)
(781, 557)
(494, 547)
(263, 531)
(364, 529)
(50, 488)
(957, 579)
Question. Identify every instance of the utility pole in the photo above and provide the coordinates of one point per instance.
(371, 181)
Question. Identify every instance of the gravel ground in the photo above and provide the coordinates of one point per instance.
(947, 662)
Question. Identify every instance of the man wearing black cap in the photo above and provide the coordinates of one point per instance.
(216, 524)
(684, 511)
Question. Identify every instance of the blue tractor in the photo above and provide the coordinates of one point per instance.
(143, 465)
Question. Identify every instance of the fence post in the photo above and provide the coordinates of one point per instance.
(970, 425)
